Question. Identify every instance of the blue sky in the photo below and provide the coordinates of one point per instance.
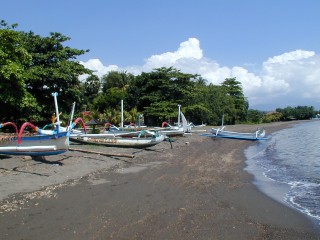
(270, 46)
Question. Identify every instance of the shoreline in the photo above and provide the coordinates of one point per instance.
(196, 190)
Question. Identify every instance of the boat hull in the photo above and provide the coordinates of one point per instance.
(37, 145)
(129, 142)
(258, 135)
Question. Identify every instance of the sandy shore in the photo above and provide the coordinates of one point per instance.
(195, 190)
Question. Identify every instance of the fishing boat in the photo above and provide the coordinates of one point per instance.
(192, 128)
(259, 134)
(39, 143)
(169, 130)
(166, 129)
(139, 139)
(33, 145)
(178, 130)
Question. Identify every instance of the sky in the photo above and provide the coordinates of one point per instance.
(271, 46)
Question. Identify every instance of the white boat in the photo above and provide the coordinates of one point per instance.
(192, 128)
(43, 143)
(171, 131)
(35, 145)
(259, 134)
(140, 139)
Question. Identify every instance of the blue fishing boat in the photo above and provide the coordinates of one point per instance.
(259, 134)
(39, 143)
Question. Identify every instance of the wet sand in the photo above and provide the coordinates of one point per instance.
(195, 190)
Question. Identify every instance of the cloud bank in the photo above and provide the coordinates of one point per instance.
(290, 79)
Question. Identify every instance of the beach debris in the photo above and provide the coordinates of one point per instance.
(15, 204)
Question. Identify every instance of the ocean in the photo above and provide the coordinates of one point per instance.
(287, 167)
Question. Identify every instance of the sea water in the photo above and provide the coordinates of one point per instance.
(287, 167)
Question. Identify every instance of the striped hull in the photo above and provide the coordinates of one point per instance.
(258, 135)
(120, 141)
(37, 145)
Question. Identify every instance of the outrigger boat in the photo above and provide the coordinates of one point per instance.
(34, 145)
(43, 143)
(259, 134)
(119, 137)
(170, 130)
(140, 139)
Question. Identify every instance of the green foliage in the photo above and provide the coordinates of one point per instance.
(13, 58)
(219, 103)
(31, 68)
(296, 113)
(131, 116)
(197, 113)
(113, 116)
(271, 117)
(53, 69)
(161, 111)
(91, 87)
(115, 79)
(28, 104)
(233, 89)
(254, 116)
(163, 84)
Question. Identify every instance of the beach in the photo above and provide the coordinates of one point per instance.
(196, 189)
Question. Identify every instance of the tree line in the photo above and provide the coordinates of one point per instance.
(32, 67)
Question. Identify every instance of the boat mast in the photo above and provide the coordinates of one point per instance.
(121, 113)
(222, 121)
(179, 115)
(55, 94)
(71, 114)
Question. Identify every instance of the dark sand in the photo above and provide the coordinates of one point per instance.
(196, 190)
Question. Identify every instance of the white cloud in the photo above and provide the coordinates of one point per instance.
(289, 79)
(98, 68)
(290, 56)
(189, 50)
(293, 77)
(250, 82)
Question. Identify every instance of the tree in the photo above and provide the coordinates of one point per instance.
(91, 88)
(53, 69)
(299, 113)
(15, 100)
(233, 88)
(161, 111)
(271, 117)
(197, 113)
(161, 85)
(254, 116)
(219, 104)
(131, 116)
(113, 116)
(116, 79)
(195, 108)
